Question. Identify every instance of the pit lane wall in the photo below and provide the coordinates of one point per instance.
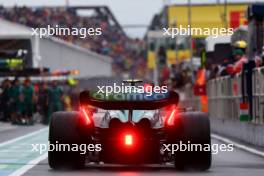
(224, 98)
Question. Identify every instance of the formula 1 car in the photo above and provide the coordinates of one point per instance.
(131, 132)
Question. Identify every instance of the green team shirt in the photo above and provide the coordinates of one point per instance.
(28, 94)
(55, 95)
(15, 92)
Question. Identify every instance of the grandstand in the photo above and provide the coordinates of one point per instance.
(113, 42)
(52, 53)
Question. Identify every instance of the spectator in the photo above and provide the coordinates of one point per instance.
(113, 42)
(240, 60)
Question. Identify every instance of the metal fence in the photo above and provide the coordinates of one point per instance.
(225, 96)
(188, 99)
(258, 95)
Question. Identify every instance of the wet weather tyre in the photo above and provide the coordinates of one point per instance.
(195, 130)
(64, 130)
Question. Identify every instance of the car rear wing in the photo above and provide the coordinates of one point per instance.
(87, 98)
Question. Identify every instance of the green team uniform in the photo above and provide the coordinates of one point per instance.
(28, 92)
(5, 103)
(20, 106)
(15, 92)
(55, 104)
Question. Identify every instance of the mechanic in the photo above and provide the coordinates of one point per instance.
(15, 92)
(28, 105)
(43, 102)
(5, 98)
(55, 99)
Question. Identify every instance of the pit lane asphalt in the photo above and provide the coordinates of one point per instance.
(236, 163)
(9, 131)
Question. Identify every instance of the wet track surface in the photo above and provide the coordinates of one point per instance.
(17, 158)
(224, 164)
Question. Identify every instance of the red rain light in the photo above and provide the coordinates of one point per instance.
(87, 117)
(170, 121)
(148, 87)
(128, 139)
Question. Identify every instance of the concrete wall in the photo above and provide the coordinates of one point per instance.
(244, 131)
(58, 55)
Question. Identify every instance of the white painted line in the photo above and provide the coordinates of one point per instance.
(29, 165)
(237, 145)
(22, 137)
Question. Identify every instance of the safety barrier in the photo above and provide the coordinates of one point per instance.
(225, 96)
(258, 96)
(188, 99)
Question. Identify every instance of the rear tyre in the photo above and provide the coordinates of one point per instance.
(195, 130)
(63, 130)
